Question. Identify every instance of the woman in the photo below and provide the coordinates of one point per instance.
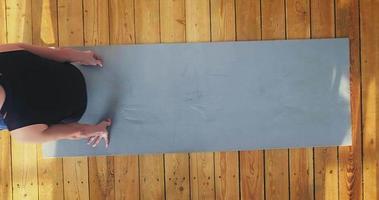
(42, 96)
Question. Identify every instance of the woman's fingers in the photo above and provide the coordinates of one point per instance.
(90, 58)
(100, 131)
(96, 141)
(99, 61)
(106, 140)
(91, 139)
(95, 59)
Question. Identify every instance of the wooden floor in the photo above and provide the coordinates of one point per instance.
(312, 173)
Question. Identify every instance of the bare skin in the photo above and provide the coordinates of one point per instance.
(39, 133)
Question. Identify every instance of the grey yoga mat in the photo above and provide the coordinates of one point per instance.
(217, 97)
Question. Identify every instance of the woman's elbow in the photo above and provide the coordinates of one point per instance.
(30, 134)
(21, 137)
(34, 138)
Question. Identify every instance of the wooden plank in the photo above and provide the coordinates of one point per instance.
(248, 26)
(96, 32)
(96, 22)
(126, 177)
(24, 170)
(101, 177)
(50, 171)
(121, 13)
(226, 173)
(350, 158)
(322, 19)
(147, 21)
(44, 22)
(24, 156)
(273, 20)
(19, 21)
(252, 175)
(70, 22)
(3, 23)
(276, 161)
(223, 21)
(226, 163)
(177, 176)
(70, 26)
(172, 22)
(201, 164)
(197, 21)
(151, 166)
(370, 85)
(50, 177)
(5, 140)
(5, 166)
(301, 160)
(126, 171)
(325, 159)
(298, 19)
(248, 20)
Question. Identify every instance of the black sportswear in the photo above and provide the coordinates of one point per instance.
(39, 90)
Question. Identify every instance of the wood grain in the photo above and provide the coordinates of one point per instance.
(325, 159)
(44, 21)
(121, 22)
(370, 85)
(248, 20)
(173, 29)
(101, 177)
(223, 20)
(19, 21)
(3, 23)
(350, 158)
(126, 168)
(276, 161)
(96, 22)
(5, 166)
(70, 22)
(151, 166)
(126, 177)
(24, 170)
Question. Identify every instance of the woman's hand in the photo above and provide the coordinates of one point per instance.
(82, 57)
(101, 133)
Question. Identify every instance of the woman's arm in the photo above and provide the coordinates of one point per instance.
(39, 133)
(9, 47)
(56, 53)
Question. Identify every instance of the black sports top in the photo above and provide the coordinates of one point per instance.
(39, 90)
